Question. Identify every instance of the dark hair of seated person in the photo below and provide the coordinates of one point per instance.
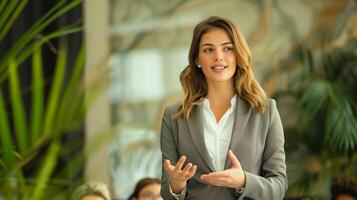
(344, 188)
(142, 184)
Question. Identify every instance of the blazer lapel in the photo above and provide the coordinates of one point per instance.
(240, 121)
(195, 124)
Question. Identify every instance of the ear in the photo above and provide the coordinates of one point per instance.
(197, 63)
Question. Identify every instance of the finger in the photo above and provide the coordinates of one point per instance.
(204, 176)
(223, 174)
(191, 172)
(234, 160)
(180, 163)
(168, 167)
(216, 180)
(187, 168)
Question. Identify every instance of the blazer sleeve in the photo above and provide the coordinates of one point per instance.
(168, 145)
(273, 183)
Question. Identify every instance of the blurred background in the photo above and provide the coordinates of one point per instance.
(84, 84)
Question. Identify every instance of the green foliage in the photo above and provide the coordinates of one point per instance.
(36, 137)
(322, 144)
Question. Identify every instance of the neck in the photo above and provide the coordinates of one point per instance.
(220, 94)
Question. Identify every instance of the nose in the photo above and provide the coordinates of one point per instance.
(219, 55)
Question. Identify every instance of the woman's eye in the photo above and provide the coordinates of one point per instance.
(228, 49)
(208, 50)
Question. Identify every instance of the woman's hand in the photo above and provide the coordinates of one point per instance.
(233, 177)
(179, 176)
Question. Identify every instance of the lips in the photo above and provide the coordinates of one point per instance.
(219, 68)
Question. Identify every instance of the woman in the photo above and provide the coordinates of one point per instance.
(225, 141)
(147, 189)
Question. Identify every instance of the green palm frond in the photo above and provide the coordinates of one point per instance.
(14, 14)
(69, 104)
(37, 95)
(7, 144)
(35, 134)
(341, 127)
(327, 98)
(55, 92)
(8, 9)
(323, 142)
(35, 29)
(26, 52)
(18, 108)
(313, 99)
(47, 168)
(3, 4)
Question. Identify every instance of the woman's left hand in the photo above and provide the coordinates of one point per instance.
(233, 177)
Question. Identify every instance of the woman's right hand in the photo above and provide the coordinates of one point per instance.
(178, 174)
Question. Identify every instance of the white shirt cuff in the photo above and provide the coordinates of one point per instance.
(239, 190)
(178, 196)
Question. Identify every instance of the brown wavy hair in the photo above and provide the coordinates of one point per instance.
(141, 185)
(194, 82)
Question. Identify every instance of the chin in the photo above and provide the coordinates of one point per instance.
(221, 79)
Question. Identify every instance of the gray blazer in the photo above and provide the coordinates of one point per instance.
(257, 141)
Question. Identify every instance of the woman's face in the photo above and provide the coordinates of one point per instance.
(150, 192)
(216, 56)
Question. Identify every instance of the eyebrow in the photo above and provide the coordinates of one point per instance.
(209, 44)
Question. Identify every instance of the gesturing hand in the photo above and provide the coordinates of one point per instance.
(233, 177)
(179, 176)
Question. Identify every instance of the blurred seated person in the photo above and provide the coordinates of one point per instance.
(91, 191)
(147, 189)
(344, 190)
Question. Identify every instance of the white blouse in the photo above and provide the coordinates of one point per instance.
(218, 135)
